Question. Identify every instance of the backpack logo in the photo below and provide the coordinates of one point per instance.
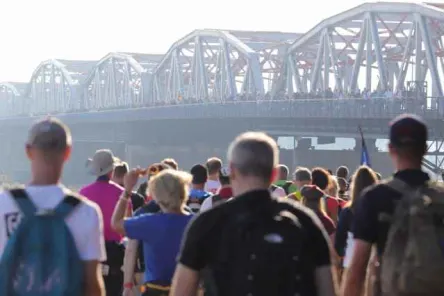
(25, 281)
(274, 238)
(12, 220)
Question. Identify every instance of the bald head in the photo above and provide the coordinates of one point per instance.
(283, 172)
(254, 154)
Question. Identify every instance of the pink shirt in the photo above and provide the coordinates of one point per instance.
(105, 194)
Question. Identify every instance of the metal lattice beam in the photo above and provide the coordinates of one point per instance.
(11, 98)
(392, 41)
(54, 86)
(207, 65)
(118, 80)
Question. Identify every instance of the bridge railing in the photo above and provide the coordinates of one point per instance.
(432, 108)
(312, 108)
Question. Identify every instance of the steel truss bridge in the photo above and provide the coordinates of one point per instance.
(377, 45)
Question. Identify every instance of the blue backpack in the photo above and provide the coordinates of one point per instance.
(41, 258)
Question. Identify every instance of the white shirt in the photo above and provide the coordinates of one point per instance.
(348, 250)
(207, 204)
(278, 192)
(212, 186)
(85, 222)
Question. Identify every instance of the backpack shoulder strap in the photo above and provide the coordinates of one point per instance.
(273, 187)
(22, 200)
(287, 186)
(65, 207)
(399, 186)
(216, 198)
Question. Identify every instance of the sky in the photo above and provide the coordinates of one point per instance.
(36, 30)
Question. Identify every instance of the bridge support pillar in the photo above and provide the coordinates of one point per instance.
(370, 143)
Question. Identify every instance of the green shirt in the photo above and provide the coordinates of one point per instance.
(290, 190)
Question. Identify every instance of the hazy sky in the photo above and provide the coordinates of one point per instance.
(35, 30)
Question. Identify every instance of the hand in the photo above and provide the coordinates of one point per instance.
(130, 179)
(128, 292)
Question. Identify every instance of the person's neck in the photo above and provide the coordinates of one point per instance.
(180, 211)
(45, 176)
(248, 185)
(117, 181)
(198, 186)
(213, 178)
(402, 166)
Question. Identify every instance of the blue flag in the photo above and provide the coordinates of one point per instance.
(365, 157)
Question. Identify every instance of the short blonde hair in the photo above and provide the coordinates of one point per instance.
(333, 188)
(170, 188)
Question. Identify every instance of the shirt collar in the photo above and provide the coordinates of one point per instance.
(412, 176)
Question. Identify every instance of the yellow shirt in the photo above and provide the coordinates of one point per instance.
(296, 196)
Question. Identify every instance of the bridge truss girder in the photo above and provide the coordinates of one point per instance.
(52, 89)
(205, 66)
(10, 99)
(115, 82)
(384, 40)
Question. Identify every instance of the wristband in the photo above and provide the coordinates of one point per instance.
(126, 195)
(128, 285)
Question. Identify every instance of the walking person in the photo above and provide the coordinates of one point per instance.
(255, 244)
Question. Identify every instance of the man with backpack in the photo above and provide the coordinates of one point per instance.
(47, 230)
(403, 216)
(255, 244)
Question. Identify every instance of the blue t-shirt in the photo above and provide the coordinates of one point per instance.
(161, 235)
(196, 198)
(152, 207)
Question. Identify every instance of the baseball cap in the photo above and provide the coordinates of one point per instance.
(225, 172)
(408, 130)
(102, 162)
(49, 134)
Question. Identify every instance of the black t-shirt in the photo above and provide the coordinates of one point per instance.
(137, 201)
(344, 226)
(377, 201)
(200, 249)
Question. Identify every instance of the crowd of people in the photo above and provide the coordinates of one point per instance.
(246, 227)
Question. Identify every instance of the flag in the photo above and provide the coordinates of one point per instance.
(365, 157)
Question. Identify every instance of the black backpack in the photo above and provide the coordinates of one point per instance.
(286, 187)
(261, 250)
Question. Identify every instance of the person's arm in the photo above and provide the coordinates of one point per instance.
(92, 252)
(354, 278)
(320, 252)
(192, 258)
(185, 281)
(118, 217)
(129, 262)
(94, 279)
(365, 232)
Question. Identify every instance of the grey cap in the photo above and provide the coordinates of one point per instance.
(49, 134)
(102, 162)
